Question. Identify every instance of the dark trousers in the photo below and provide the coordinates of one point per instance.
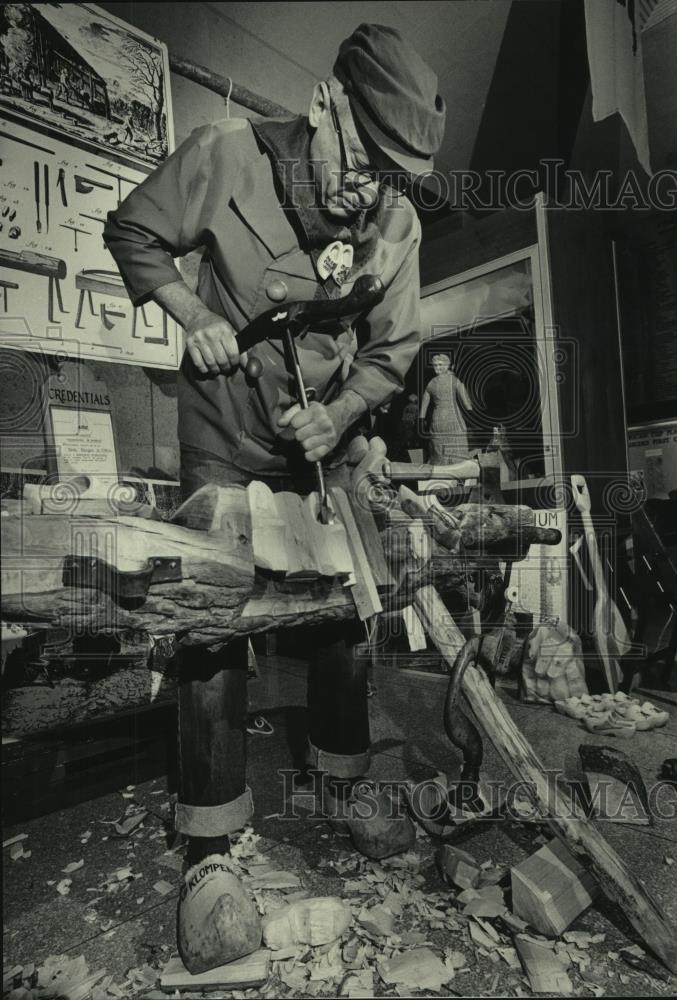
(213, 797)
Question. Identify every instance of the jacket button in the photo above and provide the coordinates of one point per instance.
(277, 290)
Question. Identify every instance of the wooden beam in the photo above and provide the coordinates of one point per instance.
(564, 817)
(225, 87)
(363, 590)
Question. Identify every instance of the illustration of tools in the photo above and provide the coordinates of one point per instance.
(6, 286)
(85, 185)
(46, 179)
(51, 268)
(75, 230)
(118, 177)
(109, 283)
(94, 218)
(36, 185)
(61, 184)
(107, 314)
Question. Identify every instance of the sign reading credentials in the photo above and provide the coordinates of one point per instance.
(79, 429)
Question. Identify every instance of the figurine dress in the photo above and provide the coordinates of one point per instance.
(448, 432)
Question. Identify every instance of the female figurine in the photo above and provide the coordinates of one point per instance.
(448, 432)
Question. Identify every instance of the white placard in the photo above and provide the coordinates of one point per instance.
(84, 445)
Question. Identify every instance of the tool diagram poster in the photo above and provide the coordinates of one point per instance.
(62, 171)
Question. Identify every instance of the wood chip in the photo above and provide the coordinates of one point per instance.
(510, 957)
(14, 840)
(420, 969)
(377, 921)
(10, 975)
(276, 880)
(483, 934)
(357, 885)
(358, 985)
(486, 902)
(126, 825)
(455, 959)
(546, 972)
(74, 866)
(64, 886)
(170, 860)
(164, 888)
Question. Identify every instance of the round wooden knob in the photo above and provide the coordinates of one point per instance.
(254, 368)
(277, 291)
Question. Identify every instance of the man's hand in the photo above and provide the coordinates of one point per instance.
(210, 339)
(212, 345)
(320, 428)
(313, 428)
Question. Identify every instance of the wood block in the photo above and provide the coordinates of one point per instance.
(301, 562)
(365, 594)
(414, 629)
(551, 888)
(252, 970)
(332, 553)
(268, 529)
(458, 867)
(546, 971)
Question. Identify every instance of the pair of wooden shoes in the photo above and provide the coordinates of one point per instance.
(613, 714)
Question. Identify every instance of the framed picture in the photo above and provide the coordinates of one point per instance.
(71, 71)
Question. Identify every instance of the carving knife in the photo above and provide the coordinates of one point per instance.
(36, 182)
(46, 177)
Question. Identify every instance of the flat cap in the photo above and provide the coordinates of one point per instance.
(393, 95)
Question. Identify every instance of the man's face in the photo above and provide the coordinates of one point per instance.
(345, 186)
(441, 365)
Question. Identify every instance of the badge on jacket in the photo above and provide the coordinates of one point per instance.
(336, 260)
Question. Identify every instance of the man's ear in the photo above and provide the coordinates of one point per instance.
(319, 104)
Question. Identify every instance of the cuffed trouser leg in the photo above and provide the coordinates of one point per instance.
(213, 798)
(338, 718)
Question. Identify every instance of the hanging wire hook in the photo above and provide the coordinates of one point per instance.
(230, 91)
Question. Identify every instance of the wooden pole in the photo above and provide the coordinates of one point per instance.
(564, 817)
(226, 87)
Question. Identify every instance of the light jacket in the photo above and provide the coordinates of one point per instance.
(220, 191)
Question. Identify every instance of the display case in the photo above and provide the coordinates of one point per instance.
(491, 322)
